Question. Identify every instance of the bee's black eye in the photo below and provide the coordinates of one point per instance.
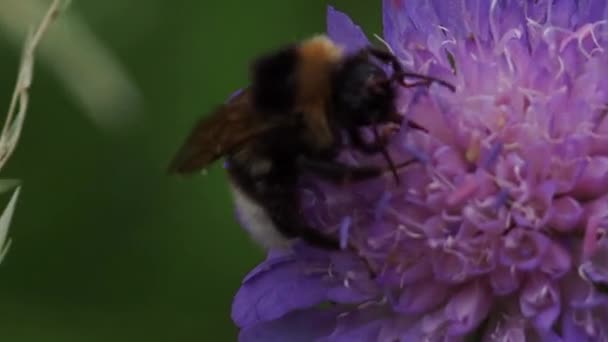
(362, 93)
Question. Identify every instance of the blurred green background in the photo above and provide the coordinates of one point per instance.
(106, 246)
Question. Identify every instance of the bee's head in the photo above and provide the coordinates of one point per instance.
(363, 93)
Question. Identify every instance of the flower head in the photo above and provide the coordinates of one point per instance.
(497, 231)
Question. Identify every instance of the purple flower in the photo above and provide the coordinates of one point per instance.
(498, 231)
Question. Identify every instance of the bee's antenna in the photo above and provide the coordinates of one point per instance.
(400, 74)
(386, 155)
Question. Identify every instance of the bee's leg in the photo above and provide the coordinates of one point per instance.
(377, 146)
(291, 224)
(281, 203)
(285, 214)
(413, 125)
(312, 236)
(400, 73)
(341, 173)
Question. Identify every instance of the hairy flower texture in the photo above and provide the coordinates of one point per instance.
(497, 232)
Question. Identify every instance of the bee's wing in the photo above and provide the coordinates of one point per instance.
(225, 130)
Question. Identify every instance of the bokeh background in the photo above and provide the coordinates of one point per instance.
(106, 246)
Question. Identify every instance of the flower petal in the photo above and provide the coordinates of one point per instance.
(506, 327)
(361, 325)
(523, 248)
(596, 267)
(270, 295)
(274, 258)
(505, 280)
(450, 266)
(594, 180)
(451, 14)
(540, 301)
(422, 297)
(342, 30)
(298, 326)
(556, 262)
(578, 292)
(468, 308)
(574, 328)
(592, 11)
(565, 214)
(350, 281)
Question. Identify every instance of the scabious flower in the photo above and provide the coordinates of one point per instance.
(497, 232)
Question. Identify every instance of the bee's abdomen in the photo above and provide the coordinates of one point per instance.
(258, 184)
(255, 218)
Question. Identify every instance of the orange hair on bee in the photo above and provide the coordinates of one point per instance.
(317, 57)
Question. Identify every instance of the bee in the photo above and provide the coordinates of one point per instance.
(292, 119)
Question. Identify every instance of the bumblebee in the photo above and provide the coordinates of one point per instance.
(303, 101)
